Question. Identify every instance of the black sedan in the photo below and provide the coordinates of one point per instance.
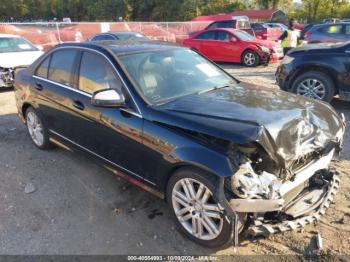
(224, 157)
(319, 71)
(119, 36)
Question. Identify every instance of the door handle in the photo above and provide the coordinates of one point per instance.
(79, 105)
(38, 86)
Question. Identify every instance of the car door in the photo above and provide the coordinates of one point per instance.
(226, 50)
(54, 81)
(111, 134)
(206, 44)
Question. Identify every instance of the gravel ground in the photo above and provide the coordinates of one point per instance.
(77, 207)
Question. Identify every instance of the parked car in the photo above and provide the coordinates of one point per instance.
(228, 45)
(174, 123)
(15, 53)
(319, 71)
(237, 22)
(119, 36)
(281, 26)
(265, 32)
(327, 33)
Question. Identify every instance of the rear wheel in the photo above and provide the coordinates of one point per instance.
(314, 84)
(36, 129)
(196, 213)
(250, 58)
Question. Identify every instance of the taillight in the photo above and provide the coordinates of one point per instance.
(307, 35)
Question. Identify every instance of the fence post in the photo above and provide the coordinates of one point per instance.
(58, 33)
(167, 31)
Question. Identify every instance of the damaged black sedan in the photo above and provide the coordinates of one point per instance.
(226, 158)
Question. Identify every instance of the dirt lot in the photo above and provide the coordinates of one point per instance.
(80, 208)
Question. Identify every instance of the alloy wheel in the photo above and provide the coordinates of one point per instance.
(249, 59)
(313, 88)
(35, 128)
(196, 209)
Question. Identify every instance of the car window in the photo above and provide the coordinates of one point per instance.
(334, 29)
(223, 36)
(96, 74)
(347, 29)
(206, 36)
(168, 74)
(109, 37)
(102, 37)
(62, 67)
(243, 25)
(257, 26)
(15, 44)
(43, 68)
(225, 24)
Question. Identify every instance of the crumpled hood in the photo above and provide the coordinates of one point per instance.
(286, 125)
(15, 59)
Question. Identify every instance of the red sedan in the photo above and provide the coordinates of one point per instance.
(229, 45)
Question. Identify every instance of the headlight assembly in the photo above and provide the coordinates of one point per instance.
(264, 49)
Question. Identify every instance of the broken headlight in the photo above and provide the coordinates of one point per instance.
(246, 183)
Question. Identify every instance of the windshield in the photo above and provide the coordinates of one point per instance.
(15, 44)
(243, 35)
(132, 37)
(165, 75)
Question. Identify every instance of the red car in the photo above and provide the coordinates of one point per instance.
(229, 45)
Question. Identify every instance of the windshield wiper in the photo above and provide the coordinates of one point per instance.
(215, 88)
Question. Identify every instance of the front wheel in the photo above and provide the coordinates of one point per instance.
(196, 213)
(314, 84)
(250, 58)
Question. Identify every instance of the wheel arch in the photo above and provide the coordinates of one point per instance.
(214, 164)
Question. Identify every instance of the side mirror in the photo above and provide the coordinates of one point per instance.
(108, 98)
(233, 39)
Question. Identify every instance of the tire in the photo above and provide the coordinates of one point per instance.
(250, 58)
(37, 129)
(324, 84)
(196, 212)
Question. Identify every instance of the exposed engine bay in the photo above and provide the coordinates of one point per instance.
(6, 77)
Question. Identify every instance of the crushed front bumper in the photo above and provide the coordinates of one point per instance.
(259, 228)
(300, 201)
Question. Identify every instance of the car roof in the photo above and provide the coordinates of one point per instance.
(122, 47)
(120, 33)
(8, 35)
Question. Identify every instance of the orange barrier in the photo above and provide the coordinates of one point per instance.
(50, 34)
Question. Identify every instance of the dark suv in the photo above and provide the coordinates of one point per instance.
(326, 33)
(319, 71)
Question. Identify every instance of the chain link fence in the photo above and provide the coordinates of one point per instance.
(50, 34)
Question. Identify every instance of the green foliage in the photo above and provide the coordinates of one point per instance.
(111, 10)
(315, 10)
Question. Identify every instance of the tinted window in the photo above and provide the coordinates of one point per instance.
(207, 36)
(333, 29)
(225, 24)
(221, 24)
(347, 29)
(96, 74)
(223, 36)
(102, 37)
(43, 68)
(258, 26)
(62, 66)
